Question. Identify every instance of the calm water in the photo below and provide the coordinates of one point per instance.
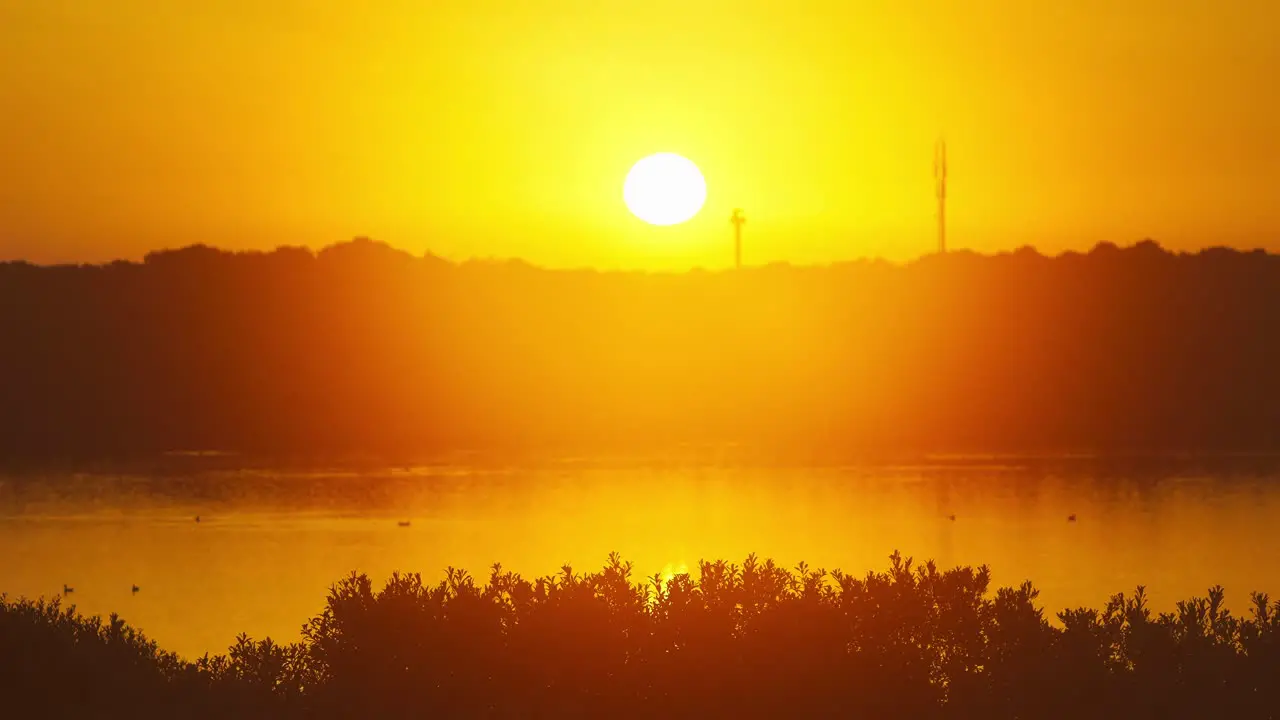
(269, 544)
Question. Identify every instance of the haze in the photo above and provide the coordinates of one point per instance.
(505, 129)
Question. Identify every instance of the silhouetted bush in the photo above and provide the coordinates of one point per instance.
(754, 640)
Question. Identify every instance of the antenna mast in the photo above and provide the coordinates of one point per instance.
(940, 188)
(737, 218)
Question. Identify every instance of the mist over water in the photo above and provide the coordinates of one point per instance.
(269, 543)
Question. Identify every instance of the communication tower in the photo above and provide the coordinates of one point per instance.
(940, 188)
(737, 218)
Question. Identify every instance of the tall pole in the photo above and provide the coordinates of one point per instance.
(940, 187)
(737, 218)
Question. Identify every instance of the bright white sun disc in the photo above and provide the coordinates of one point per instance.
(664, 189)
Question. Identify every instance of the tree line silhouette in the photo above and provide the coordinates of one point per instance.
(755, 640)
(359, 349)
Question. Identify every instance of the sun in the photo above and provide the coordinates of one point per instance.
(664, 189)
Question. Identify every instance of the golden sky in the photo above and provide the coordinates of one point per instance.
(505, 128)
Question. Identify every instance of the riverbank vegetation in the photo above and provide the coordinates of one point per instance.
(360, 350)
(748, 640)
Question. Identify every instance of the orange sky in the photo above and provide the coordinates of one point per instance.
(503, 128)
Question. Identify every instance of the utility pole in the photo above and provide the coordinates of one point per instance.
(737, 218)
(940, 188)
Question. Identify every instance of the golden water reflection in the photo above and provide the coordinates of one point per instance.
(269, 544)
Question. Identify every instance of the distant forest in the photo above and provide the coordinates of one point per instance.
(362, 350)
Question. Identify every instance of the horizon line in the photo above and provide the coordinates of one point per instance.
(428, 255)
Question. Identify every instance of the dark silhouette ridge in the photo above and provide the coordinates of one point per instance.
(360, 350)
(748, 641)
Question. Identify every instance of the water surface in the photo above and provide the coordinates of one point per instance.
(270, 543)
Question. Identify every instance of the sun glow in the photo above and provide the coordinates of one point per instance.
(673, 569)
(664, 189)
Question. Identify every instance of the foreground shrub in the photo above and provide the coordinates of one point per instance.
(754, 640)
